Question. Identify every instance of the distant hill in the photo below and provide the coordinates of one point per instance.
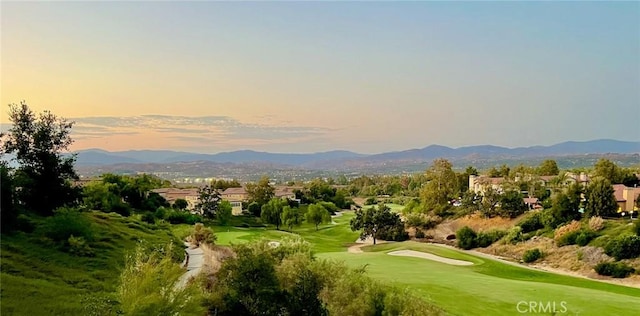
(91, 157)
(341, 159)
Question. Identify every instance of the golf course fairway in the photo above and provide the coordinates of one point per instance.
(488, 287)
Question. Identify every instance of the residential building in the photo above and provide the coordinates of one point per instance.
(172, 194)
(626, 197)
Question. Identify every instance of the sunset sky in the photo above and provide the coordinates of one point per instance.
(306, 77)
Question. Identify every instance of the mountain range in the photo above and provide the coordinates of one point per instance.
(331, 159)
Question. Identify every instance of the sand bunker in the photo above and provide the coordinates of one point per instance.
(424, 255)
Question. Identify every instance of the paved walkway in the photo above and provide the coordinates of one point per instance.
(194, 261)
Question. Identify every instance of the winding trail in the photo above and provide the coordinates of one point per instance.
(194, 261)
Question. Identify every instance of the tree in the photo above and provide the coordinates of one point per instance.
(317, 215)
(291, 217)
(272, 212)
(222, 184)
(261, 192)
(548, 167)
(566, 205)
(8, 211)
(44, 173)
(375, 221)
(180, 204)
(606, 169)
(442, 185)
(511, 204)
(489, 203)
(208, 201)
(600, 198)
(225, 211)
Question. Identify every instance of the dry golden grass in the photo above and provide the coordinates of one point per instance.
(566, 229)
(596, 223)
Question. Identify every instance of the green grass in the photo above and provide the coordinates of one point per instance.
(488, 287)
(328, 237)
(40, 279)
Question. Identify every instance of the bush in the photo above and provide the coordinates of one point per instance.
(570, 229)
(531, 223)
(121, 208)
(65, 223)
(567, 239)
(148, 217)
(485, 239)
(422, 221)
(370, 201)
(531, 255)
(419, 233)
(614, 269)
(514, 235)
(254, 208)
(181, 217)
(584, 237)
(466, 238)
(202, 234)
(636, 227)
(623, 247)
(596, 223)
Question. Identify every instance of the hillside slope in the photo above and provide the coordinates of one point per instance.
(40, 278)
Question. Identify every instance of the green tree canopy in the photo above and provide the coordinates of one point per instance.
(208, 201)
(272, 212)
(44, 171)
(317, 215)
(548, 167)
(376, 222)
(442, 185)
(600, 198)
(260, 192)
(291, 217)
(225, 211)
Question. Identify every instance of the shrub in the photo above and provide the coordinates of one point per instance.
(254, 208)
(370, 201)
(466, 238)
(121, 208)
(514, 235)
(148, 217)
(623, 247)
(571, 228)
(422, 221)
(614, 269)
(596, 223)
(202, 234)
(419, 233)
(567, 239)
(485, 239)
(636, 227)
(531, 223)
(584, 237)
(181, 217)
(531, 255)
(67, 222)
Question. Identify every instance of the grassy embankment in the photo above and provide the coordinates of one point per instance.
(38, 278)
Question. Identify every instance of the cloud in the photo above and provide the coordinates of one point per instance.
(194, 129)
